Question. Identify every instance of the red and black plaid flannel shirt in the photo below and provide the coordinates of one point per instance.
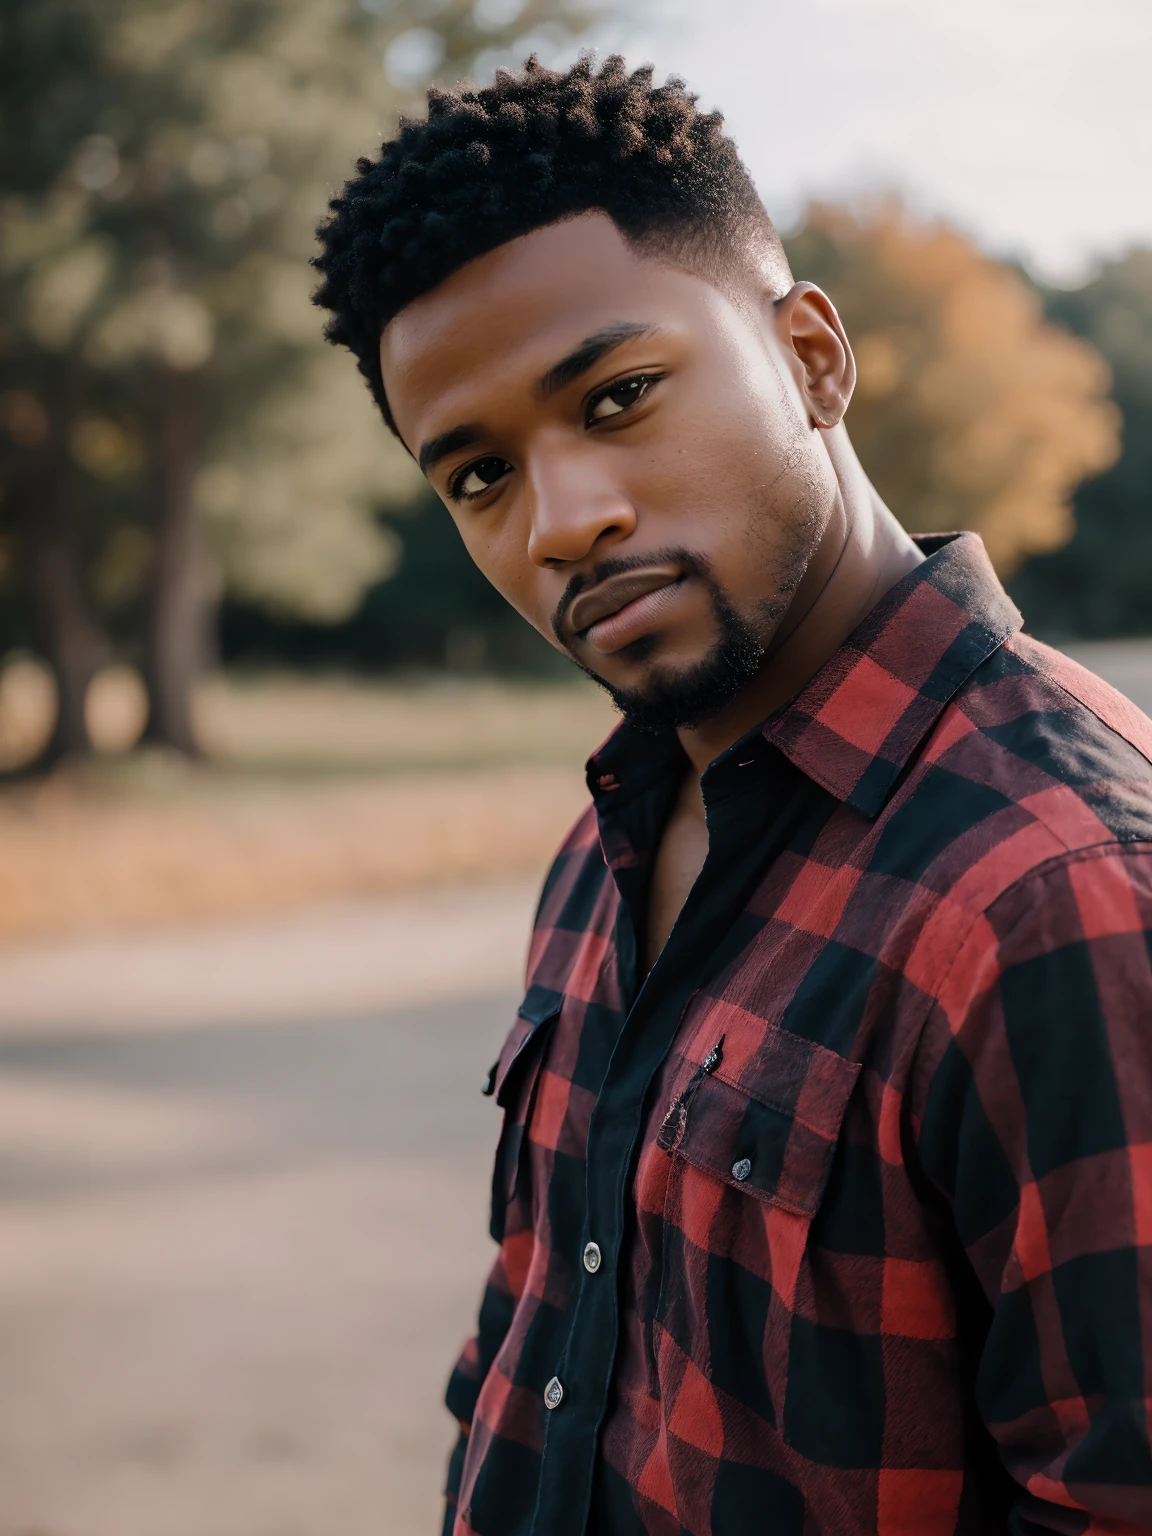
(840, 1220)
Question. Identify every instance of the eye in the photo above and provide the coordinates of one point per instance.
(476, 478)
(619, 397)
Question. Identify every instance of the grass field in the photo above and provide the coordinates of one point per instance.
(313, 789)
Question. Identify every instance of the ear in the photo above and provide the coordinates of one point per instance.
(815, 344)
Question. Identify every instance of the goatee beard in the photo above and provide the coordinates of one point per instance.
(683, 700)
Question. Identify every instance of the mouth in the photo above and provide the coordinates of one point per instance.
(621, 609)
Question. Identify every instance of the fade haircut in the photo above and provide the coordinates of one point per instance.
(487, 166)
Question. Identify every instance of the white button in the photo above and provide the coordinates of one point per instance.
(553, 1393)
(742, 1169)
(592, 1258)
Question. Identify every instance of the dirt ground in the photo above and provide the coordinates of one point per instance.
(316, 790)
(76, 861)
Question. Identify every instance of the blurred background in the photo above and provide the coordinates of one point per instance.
(279, 773)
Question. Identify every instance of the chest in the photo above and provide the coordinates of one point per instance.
(680, 857)
(768, 1202)
(730, 1142)
(773, 1085)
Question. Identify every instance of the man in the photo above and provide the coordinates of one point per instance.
(824, 1193)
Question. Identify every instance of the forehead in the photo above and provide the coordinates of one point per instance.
(506, 317)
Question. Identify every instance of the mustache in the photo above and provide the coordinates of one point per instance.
(693, 563)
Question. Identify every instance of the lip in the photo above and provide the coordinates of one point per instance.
(608, 597)
(636, 619)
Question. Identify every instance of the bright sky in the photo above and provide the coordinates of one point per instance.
(1028, 122)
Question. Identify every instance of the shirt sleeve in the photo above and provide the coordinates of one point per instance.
(471, 1369)
(1033, 1117)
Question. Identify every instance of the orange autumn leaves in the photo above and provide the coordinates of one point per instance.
(971, 411)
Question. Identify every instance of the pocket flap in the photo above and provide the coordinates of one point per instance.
(539, 1007)
(771, 1127)
(514, 1078)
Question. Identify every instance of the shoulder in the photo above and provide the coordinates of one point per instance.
(1043, 722)
(1043, 986)
(1060, 893)
(1033, 770)
(577, 866)
(581, 841)
(1032, 759)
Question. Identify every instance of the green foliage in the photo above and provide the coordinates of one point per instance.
(1101, 583)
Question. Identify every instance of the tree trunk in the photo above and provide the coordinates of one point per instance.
(67, 629)
(174, 646)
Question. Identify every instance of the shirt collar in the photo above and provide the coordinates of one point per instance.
(858, 722)
(856, 725)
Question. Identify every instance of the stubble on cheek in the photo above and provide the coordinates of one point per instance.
(777, 552)
(784, 532)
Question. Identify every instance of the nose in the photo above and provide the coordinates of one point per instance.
(571, 508)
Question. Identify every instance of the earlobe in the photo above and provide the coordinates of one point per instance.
(814, 340)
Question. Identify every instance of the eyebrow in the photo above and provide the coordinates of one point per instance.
(588, 353)
(437, 448)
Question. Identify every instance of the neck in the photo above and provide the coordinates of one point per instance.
(863, 553)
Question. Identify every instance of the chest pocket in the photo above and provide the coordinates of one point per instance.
(512, 1081)
(769, 1128)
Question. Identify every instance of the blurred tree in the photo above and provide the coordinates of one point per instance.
(438, 612)
(49, 91)
(970, 411)
(162, 166)
(1101, 583)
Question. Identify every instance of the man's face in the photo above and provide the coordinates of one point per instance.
(627, 453)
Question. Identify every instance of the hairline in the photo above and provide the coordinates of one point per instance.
(697, 255)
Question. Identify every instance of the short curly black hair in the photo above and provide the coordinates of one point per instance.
(487, 166)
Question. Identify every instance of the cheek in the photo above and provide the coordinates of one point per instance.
(752, 490)
(783, 522)
(500, 555)
(726, 448)
(490, 552)
(730, 478)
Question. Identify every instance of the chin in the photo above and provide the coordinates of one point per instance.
(684, 697)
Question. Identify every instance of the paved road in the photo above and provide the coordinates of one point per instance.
(237, 1263)
(243, 1174)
